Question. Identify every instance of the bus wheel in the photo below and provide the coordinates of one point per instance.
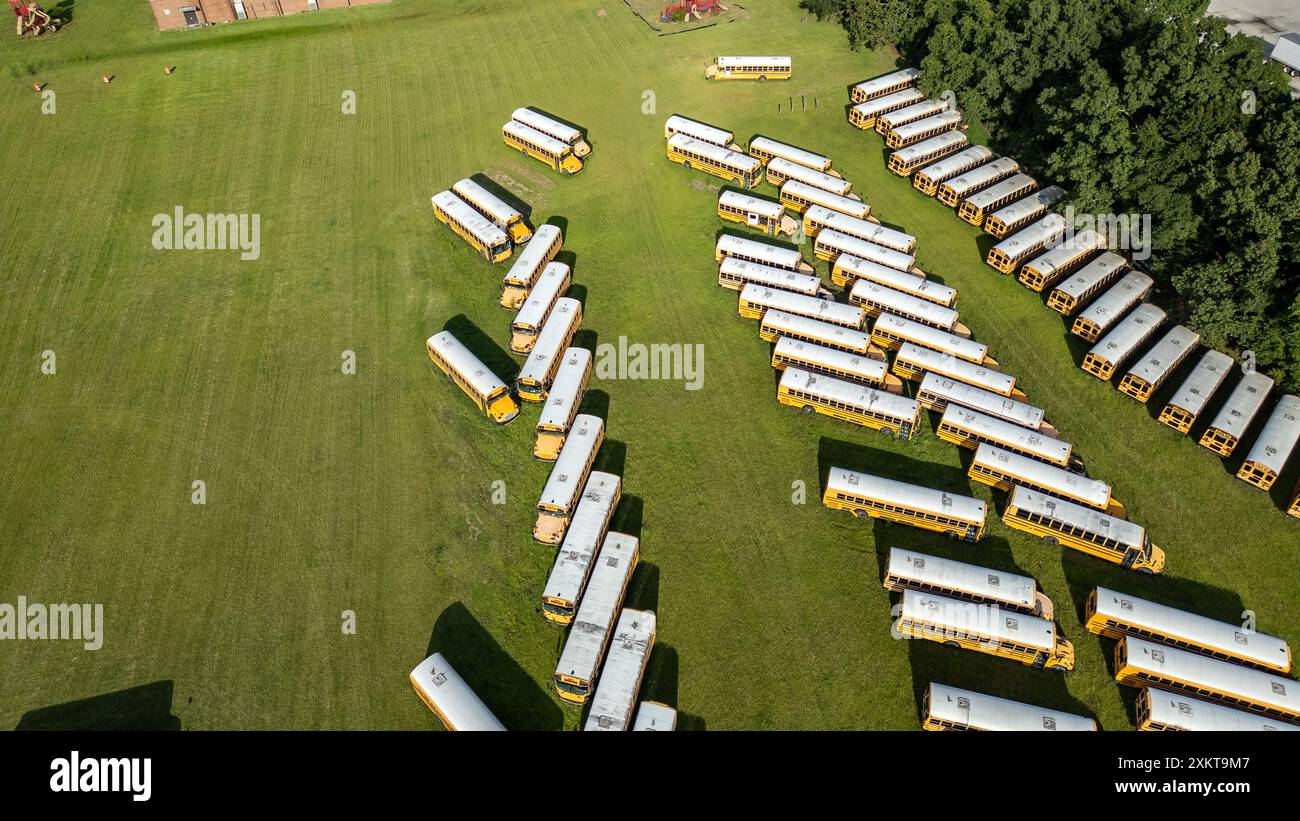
(762, 78)
(687, 164)
(951, 534)
(807, 409)
(1051, 540)
(951, 644)
(888, 432)
(859, 514)
(1145, 571)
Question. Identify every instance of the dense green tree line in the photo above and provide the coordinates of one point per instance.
(1134, 106)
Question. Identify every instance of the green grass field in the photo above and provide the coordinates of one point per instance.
(371, 492)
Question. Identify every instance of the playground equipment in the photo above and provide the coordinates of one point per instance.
(32, 19)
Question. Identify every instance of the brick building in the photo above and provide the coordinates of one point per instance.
(175, 14)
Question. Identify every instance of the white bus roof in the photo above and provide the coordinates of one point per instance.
(566, 389)
(1082, 243)
(1045, 230)
(845, 392)
(1192, 627)
(526, 262)
(583, 538)
(480, 226)
(971, 619)
(678, 124)
(732, 245)
(932, 337)
(1011, 410)
(1095, 271)
(899, 302)
(1187, 713)
(784, 322)
(561, 489)
(915, 111)
(629, 653)
(820, 196)
(810, 284)
(1202, 382)
(906, 281)
(802, 173)
(1058, 481)
(550, 284)
(955, 164)
(983, 712)
(717, 153)
(1031, 203)
(896, 99)
(1278, 438)
(465, 363)
(779, 149)
(652, 715)
(1206, 673)
(950, 118)
(971, 579)
(498, 208)
(939, 142)
(1243, 403)
(928, 500)
(824, 309)
(1024, 439)
(1162, 356)
(846, 244)
(872, 86)
(945, 364)
(1072, 513)
(547, 125)
(753, 60)
(872, 232)
(985, 199)
(1118, 298)
(554, 334)
(442, 685)
(863, 367)
(595, 618)
(984, 175)
(538, 138)
(754, 204)
(1121, 341)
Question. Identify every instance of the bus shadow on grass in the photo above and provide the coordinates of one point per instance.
(889, 464)
(505, 687)
(662, 671)
(931, 662)
(628, 517)
(145, 707)
(497, 359)
(993, 552)
(503, 194)
(595, 402)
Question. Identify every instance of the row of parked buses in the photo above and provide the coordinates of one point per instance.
(1082, 279)
(608, 646)
(553, 142)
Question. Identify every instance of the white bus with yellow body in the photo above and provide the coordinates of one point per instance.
(445, 693)
(1089, 280)
(985, 628)
(1004, 470)
(818, 217)
(780, 170)
(562, 403)
(1160, 710)
(950, 708)
(928, 179)
(919, 130)
(754, 299)
(652, 716)
(736, 273)
(748, 250)
(914, 361)
(1269, 455)
(852, 402)
(793, 353)
(1010, 253)
(732, 166)
(908, 569)
(864, 114)
(578, 669)
(551, 127)
(573, 564)
(1197, 390)
(865, 495)
(620, 678)
(483, 235)
(467, 372)
(830, 243)
(547, 150)
(890, 331)
(887, 122)
(559, 497)
(937, 392)
(765, 149)
(1058, 262)
(1234, 418)
(532, 315)
(890, 83)
(1122, 341)
(1018, 211)
(777, 324)
(534, 379)
(677, 124)
(969, 429)
(502, 214)
(918, 155)
(749, 67)
(1057, 521)
(974, 205)
(1113, 614)
(876, 299)
(518, 281)
(975, 180)
(848, 269)
(799, 196)
(1146, 377)
(1108, 308)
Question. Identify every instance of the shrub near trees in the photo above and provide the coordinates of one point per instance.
(1134, 107)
